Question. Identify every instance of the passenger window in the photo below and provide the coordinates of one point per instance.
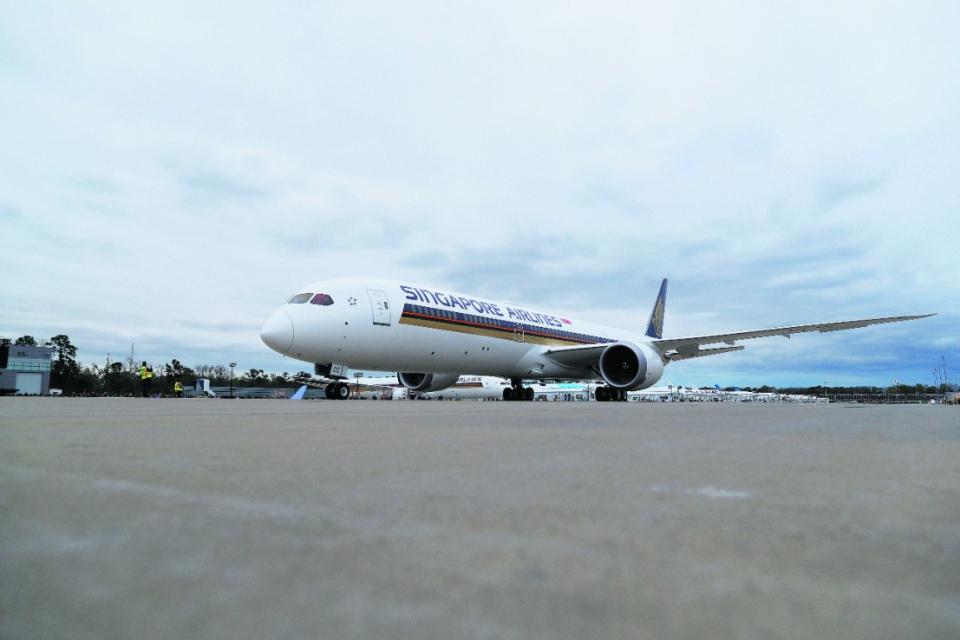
(322, 299)
(300, 298)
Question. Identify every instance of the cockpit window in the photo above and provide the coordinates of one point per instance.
(322, 299)
(300, 298)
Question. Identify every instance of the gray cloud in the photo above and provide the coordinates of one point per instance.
(317, 234)
(835, 190)
(221, 326)
(597, 194)
(98, 185)
(203, 185)
(775, 166)
(540, 271)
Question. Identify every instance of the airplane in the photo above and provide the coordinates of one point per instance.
(465, 388)
(471, 388)
(492, 388)
(547, 391)
(431, 336)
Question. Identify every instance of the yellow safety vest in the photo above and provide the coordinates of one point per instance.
(177, 386)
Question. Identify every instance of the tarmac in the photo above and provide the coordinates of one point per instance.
(135, 518)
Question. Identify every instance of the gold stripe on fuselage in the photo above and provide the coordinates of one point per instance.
(490, 333)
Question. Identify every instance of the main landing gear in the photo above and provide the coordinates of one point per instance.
(609, 394)
(518, 391)
(337, 391)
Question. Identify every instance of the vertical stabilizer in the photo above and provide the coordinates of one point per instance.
(655, 326)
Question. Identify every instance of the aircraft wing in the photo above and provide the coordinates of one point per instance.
(584, 356)
(683, 348)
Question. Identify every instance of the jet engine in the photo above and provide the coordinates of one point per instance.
(624, 365)
(425, 382)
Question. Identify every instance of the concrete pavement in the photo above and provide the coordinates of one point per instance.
(140, 518)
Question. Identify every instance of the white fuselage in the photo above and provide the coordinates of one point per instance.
(384, 325)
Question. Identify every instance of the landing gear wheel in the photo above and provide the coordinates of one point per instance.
(508, 394)
(341, 391)
(602, 394)
(528, 394)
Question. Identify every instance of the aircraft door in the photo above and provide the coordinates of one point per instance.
(380, 306)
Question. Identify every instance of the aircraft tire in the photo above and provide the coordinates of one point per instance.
(528, 393)
(341, 391)
(601, 394)
(508, 394)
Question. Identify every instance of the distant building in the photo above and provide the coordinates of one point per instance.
(25, 370)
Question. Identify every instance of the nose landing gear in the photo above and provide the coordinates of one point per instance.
(336, 391)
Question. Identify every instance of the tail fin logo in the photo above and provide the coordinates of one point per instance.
(655, 326)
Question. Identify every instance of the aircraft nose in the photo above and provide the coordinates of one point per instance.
(277, 331)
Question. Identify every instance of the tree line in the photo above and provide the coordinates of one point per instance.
(821, 390)
(123, 378)
(120, 378)
(894, 389)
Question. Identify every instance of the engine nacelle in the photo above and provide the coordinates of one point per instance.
(426, 382)
(624, 365)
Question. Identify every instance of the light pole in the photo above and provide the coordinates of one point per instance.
(232, 365)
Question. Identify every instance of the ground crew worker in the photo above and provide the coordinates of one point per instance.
(178, 389)
(146, 379)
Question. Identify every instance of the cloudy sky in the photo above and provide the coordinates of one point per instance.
(171, 171)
